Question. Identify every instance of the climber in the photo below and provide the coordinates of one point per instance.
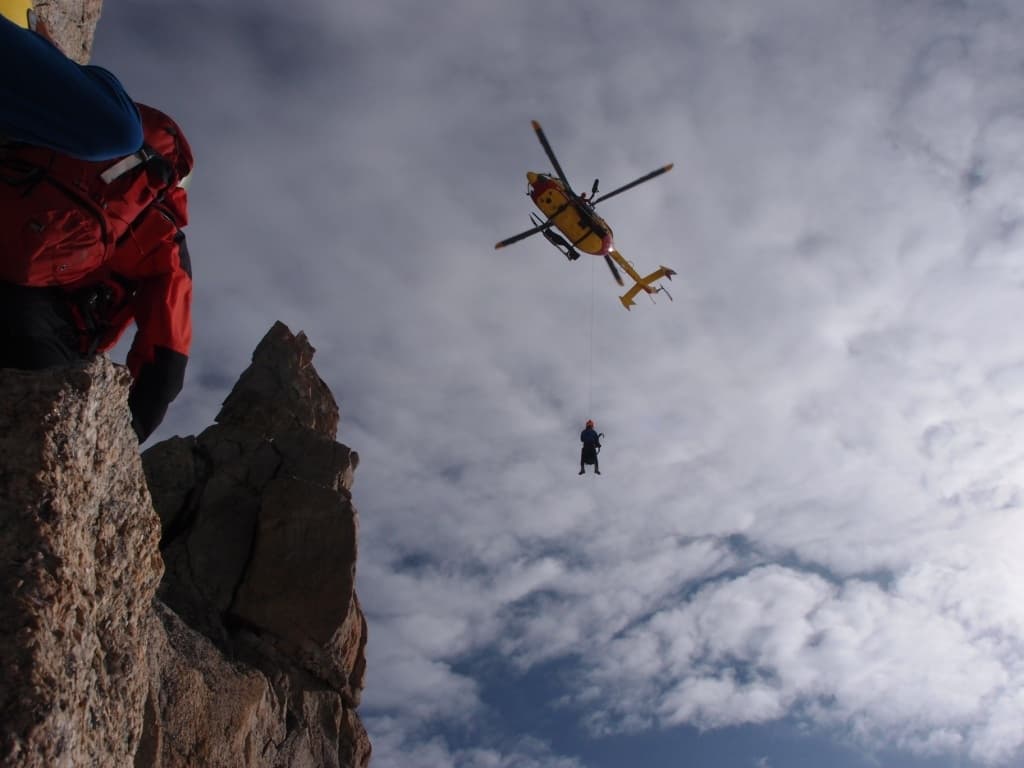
(591, 447)
(90, 237)
(51, 101)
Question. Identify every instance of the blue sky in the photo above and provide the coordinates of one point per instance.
(803, 548)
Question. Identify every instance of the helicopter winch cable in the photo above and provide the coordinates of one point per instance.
(590, 365)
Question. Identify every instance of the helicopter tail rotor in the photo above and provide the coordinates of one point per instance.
(667, 274)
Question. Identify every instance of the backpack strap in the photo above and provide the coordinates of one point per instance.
(125, 164)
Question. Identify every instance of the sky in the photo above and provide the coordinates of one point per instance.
(803, 548)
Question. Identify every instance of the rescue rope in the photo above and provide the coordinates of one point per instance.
(590, 366)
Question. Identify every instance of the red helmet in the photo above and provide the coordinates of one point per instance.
(590, 422)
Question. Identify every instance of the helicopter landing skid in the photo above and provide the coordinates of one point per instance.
(558, 241)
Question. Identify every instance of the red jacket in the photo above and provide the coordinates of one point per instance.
(149, 281)
(108, 235)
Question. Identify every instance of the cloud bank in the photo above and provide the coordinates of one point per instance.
(811, 493)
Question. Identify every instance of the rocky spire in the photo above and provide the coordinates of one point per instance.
(281, 390)
(259, 538)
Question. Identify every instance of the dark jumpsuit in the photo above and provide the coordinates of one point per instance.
(588, 455)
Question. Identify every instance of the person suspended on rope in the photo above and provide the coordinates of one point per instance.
(591, 440)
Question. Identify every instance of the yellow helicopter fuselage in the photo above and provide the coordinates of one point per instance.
(571, 215)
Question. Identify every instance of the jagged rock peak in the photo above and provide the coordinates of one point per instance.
(281, 391)
(260, 545)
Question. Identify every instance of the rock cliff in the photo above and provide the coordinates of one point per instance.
(79, 565)
(194, 607)
(72, 24)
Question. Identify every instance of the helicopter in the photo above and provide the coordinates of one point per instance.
(584, 230)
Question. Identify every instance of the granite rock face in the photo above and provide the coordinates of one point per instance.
(72, 24)
(79, 565)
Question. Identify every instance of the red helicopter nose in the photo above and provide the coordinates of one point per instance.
(531, 177)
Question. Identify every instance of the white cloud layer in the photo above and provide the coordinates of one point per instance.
(811, 500)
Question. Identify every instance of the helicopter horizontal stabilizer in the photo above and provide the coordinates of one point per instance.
(646, 284)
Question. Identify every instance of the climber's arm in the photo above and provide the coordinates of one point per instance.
(49, 100)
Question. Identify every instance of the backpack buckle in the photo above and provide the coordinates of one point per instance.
(122, 166)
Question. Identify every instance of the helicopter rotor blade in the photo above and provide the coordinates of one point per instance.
(523, 235)
(641, 180)
(546, 224)
(551, 155)
(613, 268)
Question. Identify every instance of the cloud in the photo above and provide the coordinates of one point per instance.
(392, 745)
(889, 664)
(811, 488)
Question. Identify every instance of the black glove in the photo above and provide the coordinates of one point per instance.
(158, 383)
